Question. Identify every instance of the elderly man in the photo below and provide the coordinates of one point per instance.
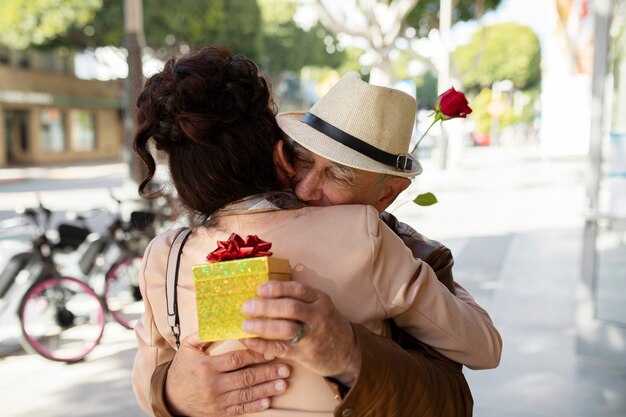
(338, 153)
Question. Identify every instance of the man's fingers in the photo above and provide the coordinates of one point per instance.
(232, 361)
(276, 308)
(251, 407)
(292, 289)
(268, 347)
(253, 376)
(274, 329)
(249, 397)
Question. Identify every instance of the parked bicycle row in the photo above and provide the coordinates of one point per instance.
(70, 278)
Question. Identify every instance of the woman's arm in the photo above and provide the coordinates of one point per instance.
(456, 326)
(153, 349)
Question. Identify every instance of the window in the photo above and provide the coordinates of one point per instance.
(83, 136)
(16, 133)
(23, 61)
(53, 129)
(47, 61)
(4, 55)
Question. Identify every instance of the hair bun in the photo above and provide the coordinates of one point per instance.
(212, 112)
(204, 93)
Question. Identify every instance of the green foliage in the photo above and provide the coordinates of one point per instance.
(235, 23)
(34, 22)
(263, 30)
(294, 48)
(426, 91)
(288, 47)
(479, 104)
(425, 15)
(500, 52)
(240, 28)
(482, 119)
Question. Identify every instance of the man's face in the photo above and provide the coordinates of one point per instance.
(321, 182)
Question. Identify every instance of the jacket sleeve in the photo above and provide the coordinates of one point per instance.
(430, 251)
(157, 391)
(411, 294)
(395, 382)
(153, 348)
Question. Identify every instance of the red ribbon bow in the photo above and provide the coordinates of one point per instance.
(236, 248)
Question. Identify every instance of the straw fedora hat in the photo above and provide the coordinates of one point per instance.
(359, 125)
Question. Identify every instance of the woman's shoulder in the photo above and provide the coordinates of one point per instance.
(348, 216)
(360, 210)
(163, 241)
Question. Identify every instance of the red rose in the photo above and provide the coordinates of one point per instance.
(451, 104)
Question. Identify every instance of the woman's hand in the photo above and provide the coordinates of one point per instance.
(327, 346)
(234, 383)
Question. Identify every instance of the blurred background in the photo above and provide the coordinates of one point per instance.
(531, 186)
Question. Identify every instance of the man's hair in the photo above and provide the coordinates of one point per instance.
(292, 149)
(382, 180)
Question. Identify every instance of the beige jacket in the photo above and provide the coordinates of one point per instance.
(345, 251)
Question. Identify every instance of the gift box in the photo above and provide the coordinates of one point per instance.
(222, 286)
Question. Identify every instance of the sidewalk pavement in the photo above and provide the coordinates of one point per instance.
(59, 172)
(514, 222)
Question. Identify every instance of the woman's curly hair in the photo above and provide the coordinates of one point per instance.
(213, 114)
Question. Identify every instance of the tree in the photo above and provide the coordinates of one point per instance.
(380, 24)
(34, 22)
(235, 23)
(263, 30)
(425, 15)
(288, 47)
(506, 51)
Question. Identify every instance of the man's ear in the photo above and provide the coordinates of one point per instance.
(390, 190)
(284, 170)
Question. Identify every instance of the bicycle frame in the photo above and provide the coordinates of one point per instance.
(26, 269)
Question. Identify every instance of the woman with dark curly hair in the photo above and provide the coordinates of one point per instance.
(212, 114)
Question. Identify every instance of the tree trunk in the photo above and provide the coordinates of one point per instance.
(382, 72)
(134, 41)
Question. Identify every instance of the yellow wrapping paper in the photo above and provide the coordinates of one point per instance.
(223, 287)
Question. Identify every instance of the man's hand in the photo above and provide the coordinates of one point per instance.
(234, 383)
(328, 346)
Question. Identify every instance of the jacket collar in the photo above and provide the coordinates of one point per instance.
(270, 201)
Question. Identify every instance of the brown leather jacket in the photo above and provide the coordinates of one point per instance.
(400, 376)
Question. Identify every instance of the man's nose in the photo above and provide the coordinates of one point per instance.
(308, 188)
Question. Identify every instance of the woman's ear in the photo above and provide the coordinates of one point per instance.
(284, 170)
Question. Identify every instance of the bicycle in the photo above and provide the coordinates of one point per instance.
(110, 262)
(61, 318)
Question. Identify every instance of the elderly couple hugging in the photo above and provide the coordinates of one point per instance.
(371, 322)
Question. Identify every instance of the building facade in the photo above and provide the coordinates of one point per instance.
(49, 116)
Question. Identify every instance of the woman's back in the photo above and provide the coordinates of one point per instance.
(335, 249)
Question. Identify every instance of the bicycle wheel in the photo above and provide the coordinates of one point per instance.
(121, 292)
(62, 319)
